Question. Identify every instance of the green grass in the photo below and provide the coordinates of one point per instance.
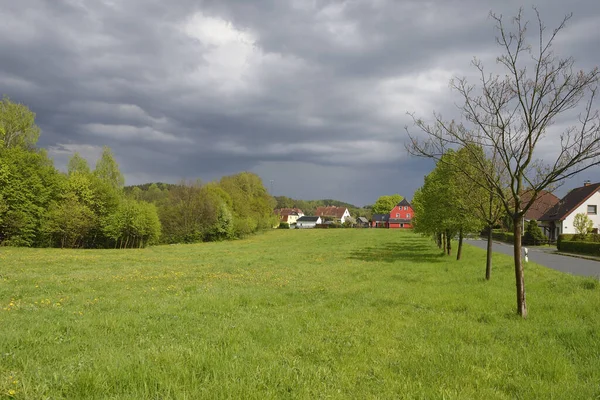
(362, 314)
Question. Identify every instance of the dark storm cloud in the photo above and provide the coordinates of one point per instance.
(310, 94)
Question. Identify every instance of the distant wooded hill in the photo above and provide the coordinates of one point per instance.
(309, 206)
(150, 193)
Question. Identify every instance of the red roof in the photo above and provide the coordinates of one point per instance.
(330, 211)
(287, 211)
(545, 201)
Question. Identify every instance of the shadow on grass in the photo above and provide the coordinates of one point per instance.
(412, 251)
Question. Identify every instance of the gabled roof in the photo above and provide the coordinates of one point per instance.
(330, 211)
(380, 217)
(308, 219)
(364, 220)
(403, 203)
(570, 202)
(287, 211)
(545, 200)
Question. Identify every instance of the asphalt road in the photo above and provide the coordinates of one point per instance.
(571, 265)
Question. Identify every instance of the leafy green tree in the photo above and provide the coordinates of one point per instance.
(582, 224)
(194, 213)
(219, 220)
(349, 222)
(136, 193)
(430, 206)
(385, 204)
(96, 195)
(17, 126)
(134, 224)
(78, 164)
(252, 204)
(284, 202)
(107, 169)
(68, 222)
(533, 233)
(475, 197)
(444, 205)
(154, 194)
(182, 215)
(29, 183)
(223, 227)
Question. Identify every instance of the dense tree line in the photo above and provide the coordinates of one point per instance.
(447, 204)
(85, 208)
(234, 207)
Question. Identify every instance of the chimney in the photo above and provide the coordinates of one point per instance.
(586, 183)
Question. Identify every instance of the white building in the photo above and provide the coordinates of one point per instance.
(559, 219)
(307, 222)
(333, 212)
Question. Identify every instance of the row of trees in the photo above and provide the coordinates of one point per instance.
(39, 206)
(505, 118)
(84, 208)
(454, 201)
(189, 212)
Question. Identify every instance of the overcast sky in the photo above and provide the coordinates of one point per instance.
(312, 95)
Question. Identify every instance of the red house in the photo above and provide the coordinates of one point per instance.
(401, 216)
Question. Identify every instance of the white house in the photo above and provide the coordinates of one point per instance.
(333, 212)
(307, 222)
(559, 219)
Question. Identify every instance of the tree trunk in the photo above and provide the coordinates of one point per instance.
(448, 244)
(438, 238)
(460, 243)
(488, 263)
(521, 304)
(444, 242)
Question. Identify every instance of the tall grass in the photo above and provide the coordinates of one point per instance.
(292, 314)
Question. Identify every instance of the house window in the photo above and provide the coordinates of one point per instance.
(592, 210)
(397, 215)
(405, 208)
(407, 216)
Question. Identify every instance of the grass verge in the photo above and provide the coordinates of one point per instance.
(365, 313)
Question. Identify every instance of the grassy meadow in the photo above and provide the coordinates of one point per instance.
(289, 314)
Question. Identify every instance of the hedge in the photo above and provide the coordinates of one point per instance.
(570, 242)
(508, 237)
(590, 248)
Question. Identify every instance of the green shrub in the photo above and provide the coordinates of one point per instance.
(589, 248)
(533, 233)
(507, 237)
(565, 237)
(284, 225)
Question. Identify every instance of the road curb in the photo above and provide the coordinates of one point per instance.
(584, 257)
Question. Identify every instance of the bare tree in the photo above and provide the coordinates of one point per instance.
(509, 114)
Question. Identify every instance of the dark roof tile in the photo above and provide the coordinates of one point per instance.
(569, 203)
(380, 217)
(308, 219)
(403, 203)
